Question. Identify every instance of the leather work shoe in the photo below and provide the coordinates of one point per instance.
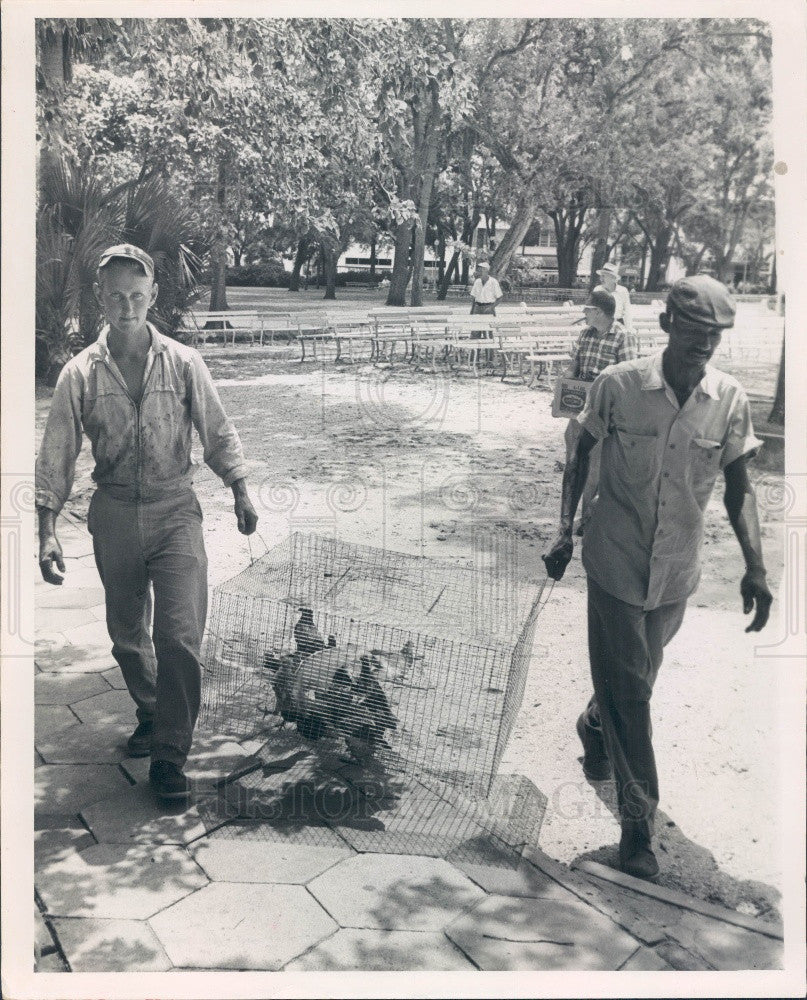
(596, 765)
(139, 743)
(641, 863)
(636, 856)
(168, 781)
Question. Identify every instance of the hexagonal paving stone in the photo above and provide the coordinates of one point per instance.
(75, 658)
(50, 719)
(118, 881)
(645, 960)
(58, 842)
(398, 892)
(61, 619)
(505, 933)
(111, 946)
(114, 678)
(67, 788)
(109, 707)
(86, 744)
(242, 926)
(251, 861)
(65, 689)
(138, 816)
(382, 951)
(501, 871)
(70, 597)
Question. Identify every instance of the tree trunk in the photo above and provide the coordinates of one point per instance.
(772, 282)
(600, 255)
(659, 258)
(218, 284)
(218, 253)
(372, 256)
(400, 265)
(300, 257)
(514, 237)
(450, 271)
(330, 255)
(441, 255)
(777, 414)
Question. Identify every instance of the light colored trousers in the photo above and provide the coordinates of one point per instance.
(626, 647)
(573, 431)
(159, 545)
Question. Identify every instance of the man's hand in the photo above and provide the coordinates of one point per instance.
(559, 555)
(754, 590)
(244, 511)
(50, 552)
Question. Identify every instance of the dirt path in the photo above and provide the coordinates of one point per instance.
(446, 467)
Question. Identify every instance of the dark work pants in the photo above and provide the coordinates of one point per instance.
(156, 545)
(626, 647)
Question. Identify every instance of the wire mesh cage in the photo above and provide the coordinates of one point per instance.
(374, 655)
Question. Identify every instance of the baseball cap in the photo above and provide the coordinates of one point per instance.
(127, 251)
(484, 263)
(602, 300)
(609, 269)
(702, 299)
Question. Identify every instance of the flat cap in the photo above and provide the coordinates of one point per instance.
(128, 251)
(702, 299)
(602, 300)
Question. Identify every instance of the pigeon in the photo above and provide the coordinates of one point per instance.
(306, 635)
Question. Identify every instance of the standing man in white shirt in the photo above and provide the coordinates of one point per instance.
(485, 292)
(609, 278)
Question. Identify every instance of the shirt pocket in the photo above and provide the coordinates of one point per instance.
(638, 453)
(704, 464)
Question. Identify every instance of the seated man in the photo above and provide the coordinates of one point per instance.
(137, 395)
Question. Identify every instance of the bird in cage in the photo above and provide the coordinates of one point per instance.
(306, 635)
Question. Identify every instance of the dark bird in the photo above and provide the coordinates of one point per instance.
(306, 635)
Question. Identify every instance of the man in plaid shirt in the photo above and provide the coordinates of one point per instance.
(603, 343)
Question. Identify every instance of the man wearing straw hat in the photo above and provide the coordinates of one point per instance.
(138, 395)
(669, 425)
(609, 278)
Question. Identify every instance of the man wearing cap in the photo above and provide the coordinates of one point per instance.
(669, 424)
(602, 343)
(609, 278)
(138, 395)
(485, 291)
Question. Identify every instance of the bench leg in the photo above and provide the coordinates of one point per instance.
(302, 345)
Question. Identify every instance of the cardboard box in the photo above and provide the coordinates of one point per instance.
(570, 396)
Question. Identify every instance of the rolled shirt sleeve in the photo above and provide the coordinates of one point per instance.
(61, 442)
(220, 440)
(740, 437)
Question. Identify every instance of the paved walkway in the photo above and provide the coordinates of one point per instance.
(124, 883)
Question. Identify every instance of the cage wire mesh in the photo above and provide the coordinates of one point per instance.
(377, 659)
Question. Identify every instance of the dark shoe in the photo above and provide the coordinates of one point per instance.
(168, 781)
(596, 765)
(640, 862)
(139, 743)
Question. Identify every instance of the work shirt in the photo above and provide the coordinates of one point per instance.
(142, 450)
(594, 351)
(623, 309)
(658, 467)
(491, 291)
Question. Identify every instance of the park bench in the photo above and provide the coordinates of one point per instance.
(349, 329)
(550, 347)
(312, 328)
(371, 286)
(226, 324)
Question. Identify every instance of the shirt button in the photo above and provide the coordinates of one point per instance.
(672, 445)
(663, 503)
(666, 475)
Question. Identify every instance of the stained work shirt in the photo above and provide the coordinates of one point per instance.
(659, 465)
(141, 451)
(486, 293)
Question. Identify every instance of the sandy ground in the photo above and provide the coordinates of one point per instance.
(448, 467)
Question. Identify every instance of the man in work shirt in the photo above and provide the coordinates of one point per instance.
(669, 424)
(602, 343)
(137, 395)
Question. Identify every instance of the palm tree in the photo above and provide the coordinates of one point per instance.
(77, 220)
